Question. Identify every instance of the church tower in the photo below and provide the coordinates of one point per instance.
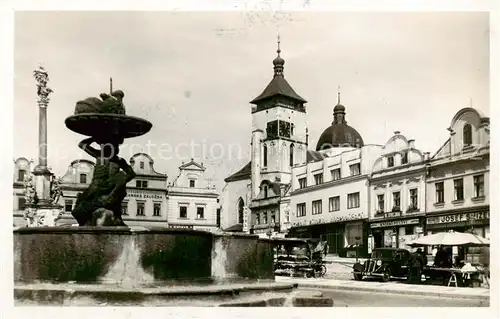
(279, 130)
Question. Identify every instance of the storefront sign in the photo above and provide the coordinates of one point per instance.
(246, 219)
(144, 195)
(262, 231)
(181, 226)
(458, 218)
(392, 214)
(392, 223)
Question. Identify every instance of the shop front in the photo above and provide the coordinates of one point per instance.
(344, 239)
(475, 221)
(395, 231)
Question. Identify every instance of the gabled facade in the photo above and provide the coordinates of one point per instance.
(397, 194)
(192, 201)
(23, 168)
(458, 177)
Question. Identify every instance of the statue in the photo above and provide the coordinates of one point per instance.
(55, 191)
(105, 121)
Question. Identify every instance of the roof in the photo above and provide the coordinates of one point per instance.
(339, 135)
(243, 173)
(246, 171)
(278, 86)
(192, 162)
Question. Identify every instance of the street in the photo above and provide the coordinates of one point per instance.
(346, 298)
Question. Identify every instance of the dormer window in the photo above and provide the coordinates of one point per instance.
(83, 178)
(141, 165)
(467, 135)
(404, 158)
(21, 175)
(390, 161)
(191, 183)
(265, 191)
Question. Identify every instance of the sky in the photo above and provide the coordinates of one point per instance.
(193, 74)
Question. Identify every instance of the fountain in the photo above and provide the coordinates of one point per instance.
(104, 262)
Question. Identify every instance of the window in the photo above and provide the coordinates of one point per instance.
(257, 219)
(439, 192)
(191, 183)
(404, 158)
(318, 178)
(291, 154)
(156, 209)
(355, 169)
(241, 205)
(264, 218)
(68, 205)
(273, 217)
(396, 200)
(141, 165)
(124, 208)
(141, 184)
(292, 129)
(316, 207)
(414, 198)
(200, 212)
(335, 174)
(467, 135)
(264, 156)
(459, 188)
(301, 209)
(409, 230)
(479, 186)
(334, 204)
(183, 212)
(390, 161)
(21, 203)
(140, 209)
(302, 182)
(266, 191)
(381, 202)
(353, 200)
(83, 178)
(21, 175)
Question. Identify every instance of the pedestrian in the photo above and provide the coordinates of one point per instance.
(416, 264)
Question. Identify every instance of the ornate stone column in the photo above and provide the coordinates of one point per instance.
(42, 208)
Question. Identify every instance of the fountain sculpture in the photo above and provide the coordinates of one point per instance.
(105, 262)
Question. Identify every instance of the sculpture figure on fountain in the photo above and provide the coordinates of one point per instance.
(105, 121)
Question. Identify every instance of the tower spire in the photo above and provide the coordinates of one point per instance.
(110, 85)
(278, 61)
(338, 94)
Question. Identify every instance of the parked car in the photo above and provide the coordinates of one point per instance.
(385, 263)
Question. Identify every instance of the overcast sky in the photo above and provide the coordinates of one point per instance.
(193, 74)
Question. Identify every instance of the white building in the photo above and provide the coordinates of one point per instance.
(329, 197)
(192, 201)
(458, 177)
(397, 208)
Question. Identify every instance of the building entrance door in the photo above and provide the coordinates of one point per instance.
(335, 242)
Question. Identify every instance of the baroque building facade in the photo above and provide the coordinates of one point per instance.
(458, 177)
(397, 188)
(192, 202)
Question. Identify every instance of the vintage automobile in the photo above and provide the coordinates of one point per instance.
(385, 263)
(300, 257)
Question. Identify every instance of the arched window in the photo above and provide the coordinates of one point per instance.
(467, 135)
(265, 156)
(83, 178)
(241, 204)
(291, 154)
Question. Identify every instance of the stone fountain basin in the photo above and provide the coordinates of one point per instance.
(137, 256)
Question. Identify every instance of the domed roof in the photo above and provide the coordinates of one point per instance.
(339, 134)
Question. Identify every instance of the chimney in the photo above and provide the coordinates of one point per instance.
(411, 143)
(426, 155)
